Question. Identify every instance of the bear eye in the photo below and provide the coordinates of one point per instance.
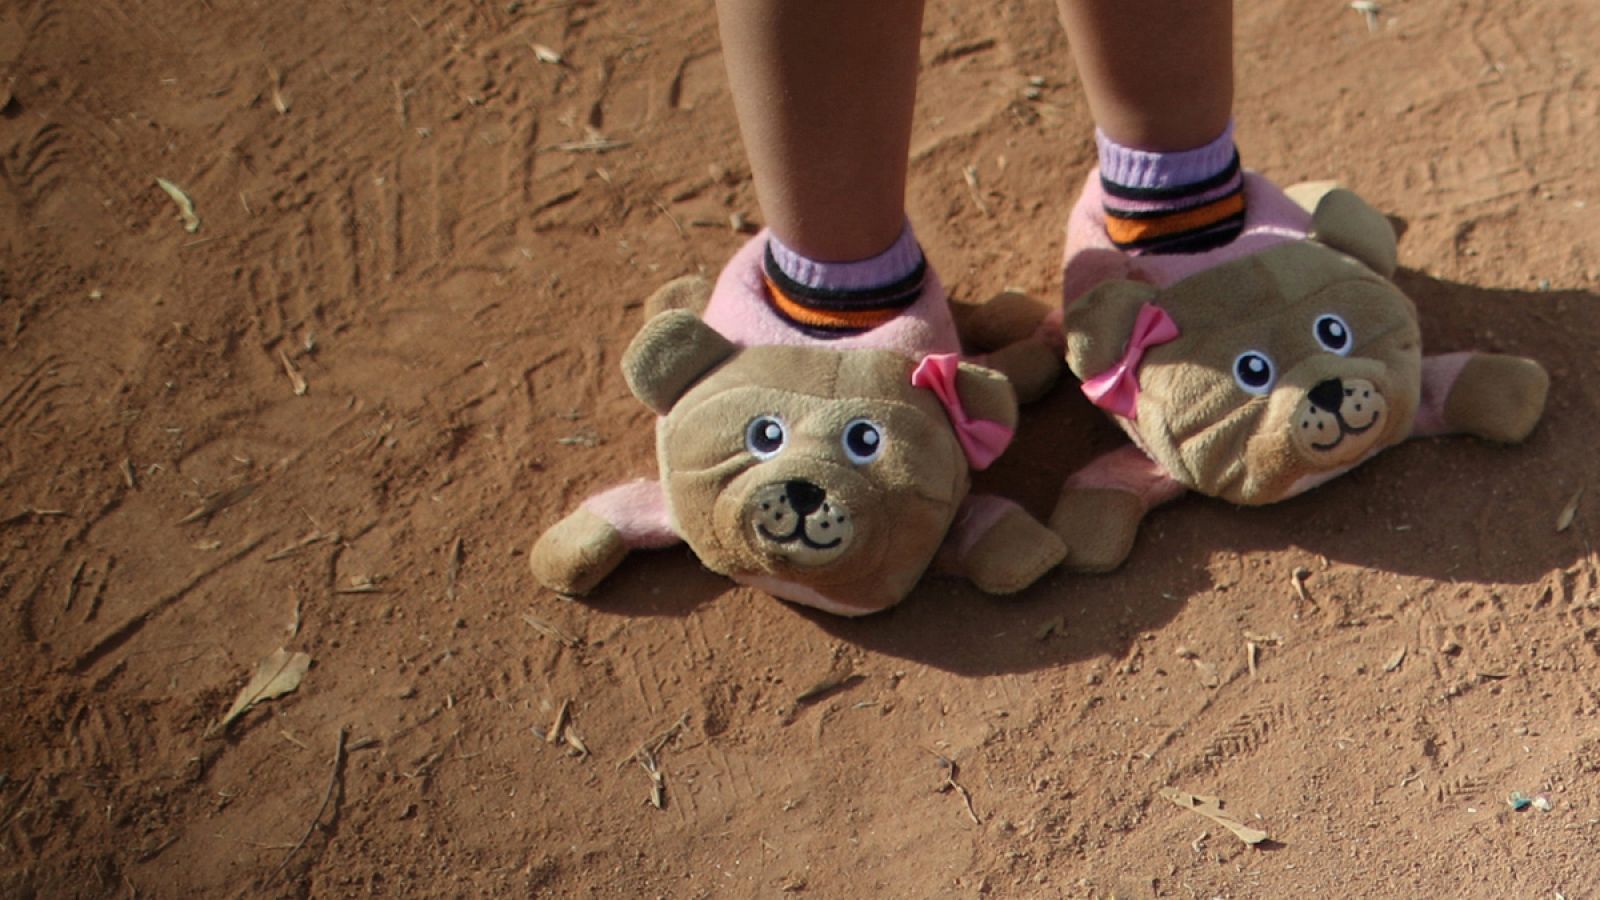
(1333, 334)
(764, 437)
(1253, 371)
(863, 441)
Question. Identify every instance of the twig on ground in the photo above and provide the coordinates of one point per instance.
(327, 797)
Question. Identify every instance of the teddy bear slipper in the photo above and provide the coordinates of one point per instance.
(832, 473)
(1260, 370)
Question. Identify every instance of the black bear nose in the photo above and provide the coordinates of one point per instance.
(804, 497)
(1328, 395)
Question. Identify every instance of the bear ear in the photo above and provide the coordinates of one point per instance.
(1345, 222)
(689, 292)
(671, 352)
(1098, 324)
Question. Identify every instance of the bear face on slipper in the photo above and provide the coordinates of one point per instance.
(829, 478)
(812, 472)
(1287, 367)
(1263, 371)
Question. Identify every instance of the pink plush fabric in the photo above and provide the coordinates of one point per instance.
(1439, 374)
(638, 511)
(978, 514)
(1128, 469)
(1090, 257)
(739, 310)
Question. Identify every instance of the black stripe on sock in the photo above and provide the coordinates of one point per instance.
(895, 295)
(1126, 192)
(1145, 214)
(1211, 237)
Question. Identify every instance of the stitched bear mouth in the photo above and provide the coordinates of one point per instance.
(1346, 430)
(799, 534)
(1336, 413)
(800, 522)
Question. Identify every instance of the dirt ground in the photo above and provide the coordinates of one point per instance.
(440, 218)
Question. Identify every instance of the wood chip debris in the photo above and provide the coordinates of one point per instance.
(296, 380)
(72, 587)
(453, 572)
(1395, 660)
(1298, 579)
(218, 502)
(278, 101)
(360, 584)
(561, 732)
(970, 175)
(552, 632)
(829, 684)
(191, 221)
(1569, 512)
(1058, 625)
(1369, 10)
(592, 145)
(653, 746)
(658, 781)
(1211, 808)
(312, 538)
(950, 784)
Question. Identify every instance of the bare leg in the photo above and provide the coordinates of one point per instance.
(1158, 74)
(824, 91)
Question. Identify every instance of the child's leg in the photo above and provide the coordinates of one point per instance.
(824, 91)
(1158, 75)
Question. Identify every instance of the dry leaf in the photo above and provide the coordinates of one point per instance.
(1211, 808)
(1569, 512)
(191, 222)
(275, 676)
(1395, 660)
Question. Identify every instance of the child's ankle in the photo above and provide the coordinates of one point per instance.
(1186, 201)
(844, 297)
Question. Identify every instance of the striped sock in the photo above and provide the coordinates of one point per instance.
(837, 299)
(1181, 202)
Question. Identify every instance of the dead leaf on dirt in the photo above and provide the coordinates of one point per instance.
(278, 674)
(1211, 808)
(1395, 660)
(191, 221)
(1569, 512)
(1058, 625)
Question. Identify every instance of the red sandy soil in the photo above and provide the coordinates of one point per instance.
(448, 239)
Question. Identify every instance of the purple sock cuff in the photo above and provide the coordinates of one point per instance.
(1148, 169)
(888, 267)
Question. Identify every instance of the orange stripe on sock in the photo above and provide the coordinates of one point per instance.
(828, 318)
(1128, 231)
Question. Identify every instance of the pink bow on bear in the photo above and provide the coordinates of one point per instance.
(982, 440)
(1116, 389)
